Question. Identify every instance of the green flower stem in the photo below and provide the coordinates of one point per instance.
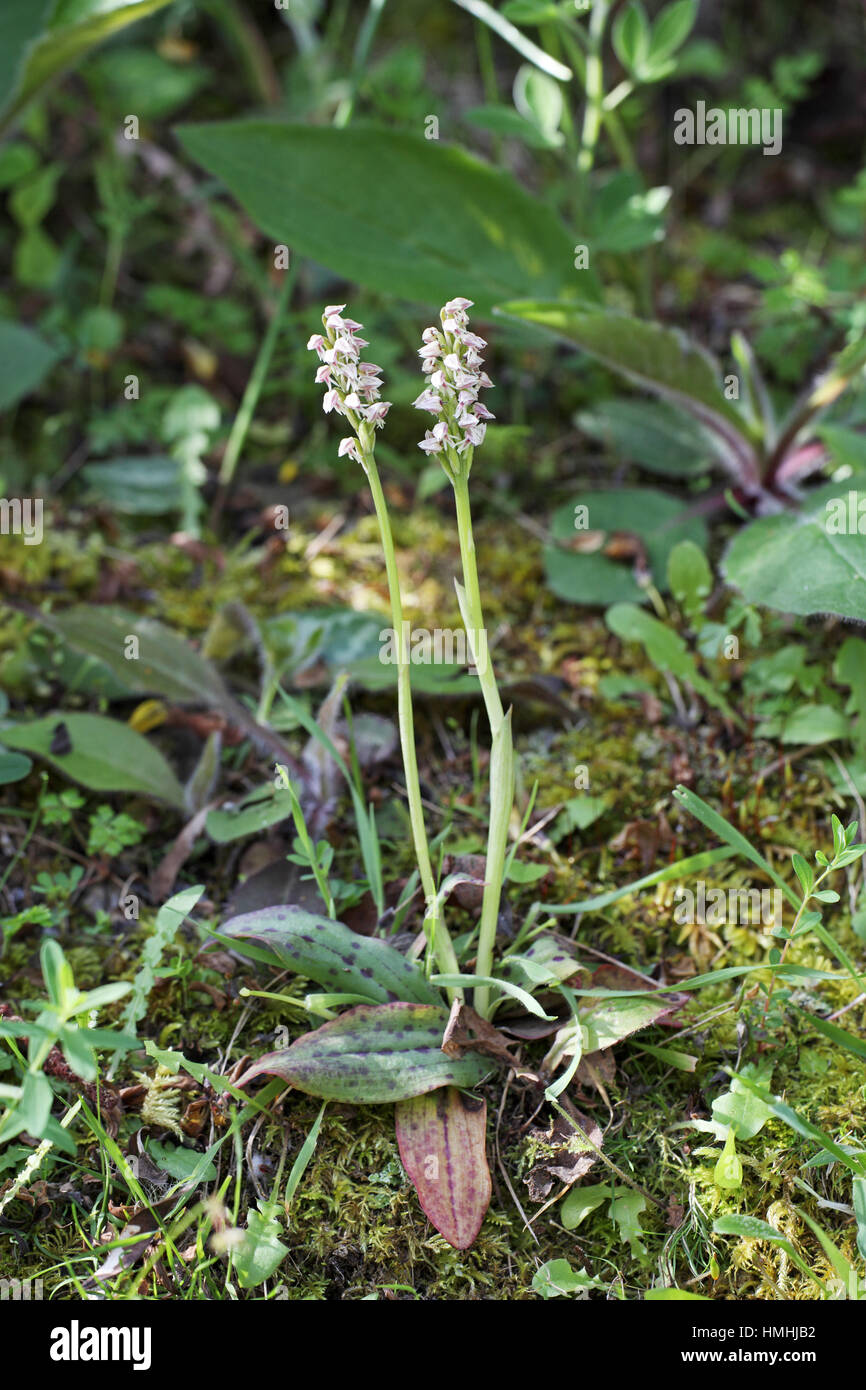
(502, 748)
(594, 111)
(247, 408)
(434, 926)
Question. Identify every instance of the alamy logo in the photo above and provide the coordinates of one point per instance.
(733, 127)
(715, 907)
(21, 517)
(21, 1290)
(76, 1343)
(444, 645)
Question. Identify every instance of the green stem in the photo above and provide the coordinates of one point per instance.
(366, 34)
(501, 753)
(437, 932)
(594, 112)
(250, 399)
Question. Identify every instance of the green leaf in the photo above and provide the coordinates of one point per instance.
(815, 724)
(650, 433)
(840, 1036)
(849, 669)
(580, 1201)
(540, 100)
(137, 79)
(262, 1252)
(809, 561)
(350, 199)
(858, 1189)
(106, 755)
(504, 120)
(672, 28)
(719, 826)
(372, 1055)
(442, 1141)
(137, 486)
(753, 1228)
(690, 578)
(631, 37)
(804, 1127)
(13, 767)
(166, 664)
(557, 1277)
(181, 1163)
(607, 1021)
(39, 47)
(739, 1111)
(25, 361)
(665, 649)
(336, 958)
(662, 360)
(593, 578)
(262, 807)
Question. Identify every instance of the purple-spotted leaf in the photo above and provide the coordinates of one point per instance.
(442, 1144)
(372, 1055)
(336, 958)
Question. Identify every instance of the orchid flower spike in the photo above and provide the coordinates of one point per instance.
(351, 386)
(451, 360)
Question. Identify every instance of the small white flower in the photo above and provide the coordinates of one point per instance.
(331, 401)
(349, 446)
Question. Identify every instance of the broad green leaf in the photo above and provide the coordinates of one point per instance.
(389, 210)
(165, 665)
(13, 767)
(261, 1252)
(372, 1055)
(25, 361)
(557, 1277)
(262, 807)
(442, 1141)
(658, 522)
(138, 486)
(809, 561)
(815, 724)
(53, 38)
(180, 1163)
(650, 433)
(580, 1201)
(336, 958)
(739, 1109)
(607, 1021)
(105, 755)
(660, 359)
